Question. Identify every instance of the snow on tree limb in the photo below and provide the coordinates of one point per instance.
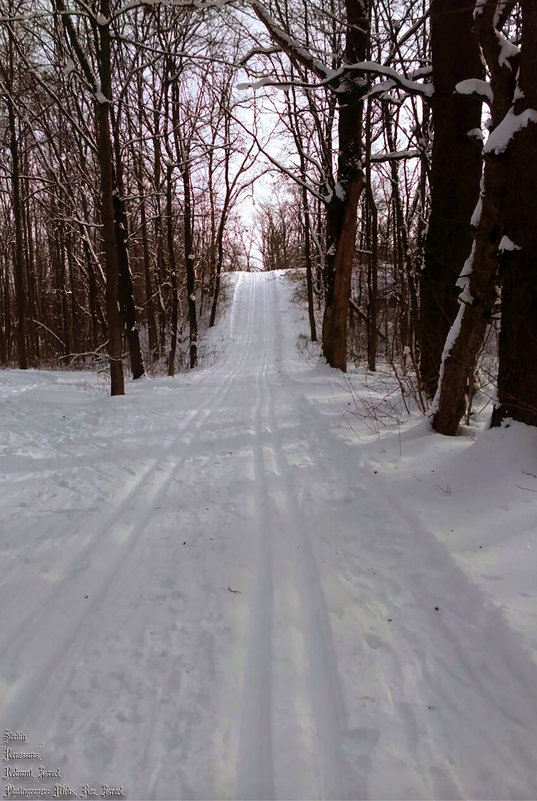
(334, 79)
(398, 155)
(400, 81)
(477, 88)
(258, 51)
(290, 46)
(507, 245)
(202, 5)
(501, 136)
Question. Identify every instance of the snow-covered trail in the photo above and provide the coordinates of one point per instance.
(206, 594)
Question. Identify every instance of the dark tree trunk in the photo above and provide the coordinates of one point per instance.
(475, 312)
(371, 230)
(480, 276)
(218, 242)
(517, 377)
(455, 177)
(102, 110)
(76, 329)
(20, 292)
(148, 285)
(173, 273)
(7, 313)
(309, 260)
(190, 267)
(183, 155)
(218, 269)
(127, 304)
(343, 207)
(4, 314)
(30, 269)
(62, 290)
(92, 295)
(103, 100)
(126, 289)
(372, 288)
(320, 254)
(157, 171)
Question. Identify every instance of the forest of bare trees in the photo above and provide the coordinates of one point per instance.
(398, 141)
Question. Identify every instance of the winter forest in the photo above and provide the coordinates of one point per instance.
(297, 243)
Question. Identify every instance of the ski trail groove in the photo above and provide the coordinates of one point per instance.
(325, 692)
(133, 490)
(255, 777)
(49, 648)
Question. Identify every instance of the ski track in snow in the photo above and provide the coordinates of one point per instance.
(204, 595)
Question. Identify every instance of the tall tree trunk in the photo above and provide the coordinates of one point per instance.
(62, 289)
(190, 267)
(183, 155)
(20, 292)
(372, 286)
(92, 295)
(455, 177)
(517, 376)
(218, 269)
(127, 303)
(149, 304)
(217, 242)
(308, 255)
(160, 273)
(371, 230)
(479, 276)
(343, 207)
(126, 289)
(173, 272)
(148, 284)
(30, 267)
(104, 144)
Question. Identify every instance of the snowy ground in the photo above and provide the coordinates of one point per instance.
(236, 583)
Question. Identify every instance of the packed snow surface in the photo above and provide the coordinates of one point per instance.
(264, 580)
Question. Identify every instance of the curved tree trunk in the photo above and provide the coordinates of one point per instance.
(479, 277)
(476, 305)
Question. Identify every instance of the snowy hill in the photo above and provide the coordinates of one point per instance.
(232, 584)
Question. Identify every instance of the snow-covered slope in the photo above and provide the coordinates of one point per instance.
(227, 585)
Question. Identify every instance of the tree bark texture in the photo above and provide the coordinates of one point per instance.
(479, 285)
(455, 178)
(102, 107)
(343, 207)
(173, 272)
(517, 376)
(20, 292)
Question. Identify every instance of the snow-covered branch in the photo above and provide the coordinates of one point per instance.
(476, 88)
